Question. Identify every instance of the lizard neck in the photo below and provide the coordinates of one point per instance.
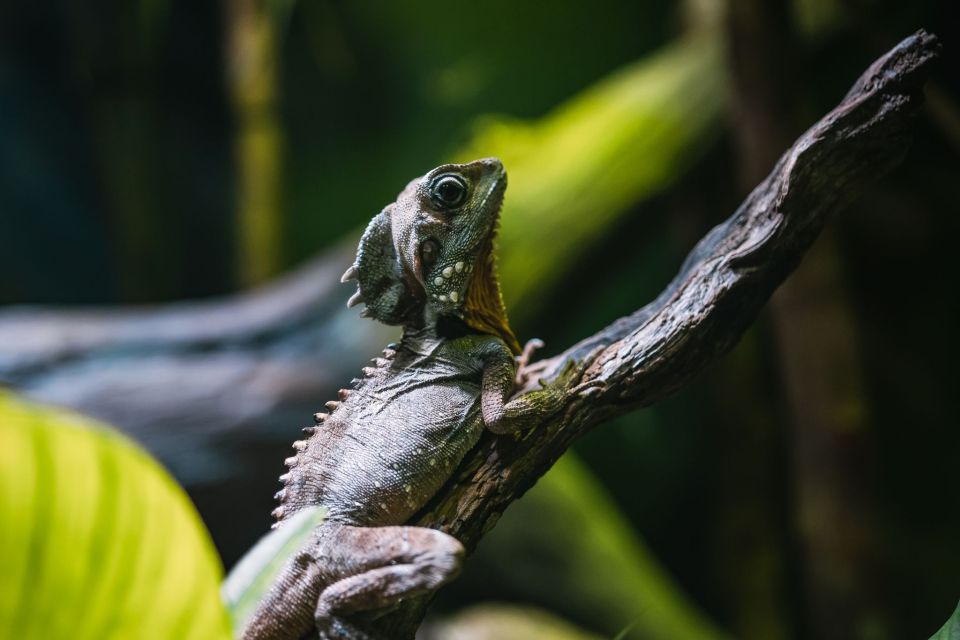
(421, 340)
(431, 330)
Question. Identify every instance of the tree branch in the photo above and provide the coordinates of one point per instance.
(722, 285)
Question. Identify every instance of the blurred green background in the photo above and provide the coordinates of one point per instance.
(804, 487)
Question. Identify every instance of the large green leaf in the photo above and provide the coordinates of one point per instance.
(96, 540)
(950, 630)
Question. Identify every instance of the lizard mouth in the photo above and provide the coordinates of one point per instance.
(496, 190)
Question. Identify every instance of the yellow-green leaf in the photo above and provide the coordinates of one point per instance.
(96, 540)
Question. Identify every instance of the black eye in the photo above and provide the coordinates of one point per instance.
(448, 191)
(429, 252)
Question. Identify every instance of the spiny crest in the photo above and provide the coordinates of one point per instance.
(319, 419)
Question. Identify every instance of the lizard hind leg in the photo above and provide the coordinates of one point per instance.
(378, 567)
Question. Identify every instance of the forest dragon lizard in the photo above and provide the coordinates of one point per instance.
(392, 441)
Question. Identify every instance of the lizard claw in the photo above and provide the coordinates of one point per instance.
(589, 388)
(573, 371)
(528, 349)
(523, 361)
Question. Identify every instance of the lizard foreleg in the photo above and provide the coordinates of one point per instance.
(504, 415)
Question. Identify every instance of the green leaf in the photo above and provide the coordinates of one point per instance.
(97, 541)
(951, 629)
(256, 572)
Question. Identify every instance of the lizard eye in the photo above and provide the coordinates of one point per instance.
(448, 191)
(429, 252)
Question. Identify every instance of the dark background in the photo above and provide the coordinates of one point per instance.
(804, 487)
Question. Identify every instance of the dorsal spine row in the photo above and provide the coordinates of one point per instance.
(379, 364)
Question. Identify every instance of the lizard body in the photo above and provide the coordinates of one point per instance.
(391, 442)
(429, 386)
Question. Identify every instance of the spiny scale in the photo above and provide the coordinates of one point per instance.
(355, 299)
(350, 274)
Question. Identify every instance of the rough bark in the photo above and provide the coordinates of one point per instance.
(722, 285)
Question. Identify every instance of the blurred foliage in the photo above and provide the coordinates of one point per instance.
(120, 152)
(380, 92)
(253, 31)
(96, 540)
(505, 622)
(582, 558)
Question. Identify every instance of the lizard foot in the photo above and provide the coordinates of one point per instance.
(568, 382)
(381, 566)
(337, 628)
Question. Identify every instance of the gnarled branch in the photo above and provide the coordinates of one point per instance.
(722, 285)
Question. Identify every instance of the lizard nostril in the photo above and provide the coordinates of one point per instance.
(491, 162)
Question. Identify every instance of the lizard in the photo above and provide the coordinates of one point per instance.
(389, 443)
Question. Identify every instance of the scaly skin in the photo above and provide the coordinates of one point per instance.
(393, 440)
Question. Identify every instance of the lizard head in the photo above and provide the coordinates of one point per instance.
(432, 250)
